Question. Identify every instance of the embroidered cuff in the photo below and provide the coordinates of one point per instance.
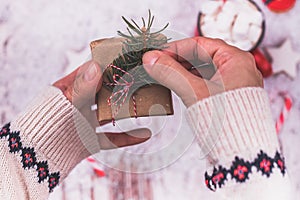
(234, 123)
(241, 170)
(56, 130)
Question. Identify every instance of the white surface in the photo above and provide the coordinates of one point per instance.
(40, 41)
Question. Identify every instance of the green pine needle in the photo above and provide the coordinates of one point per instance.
(138, 41)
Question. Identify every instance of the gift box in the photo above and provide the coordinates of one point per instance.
(119, 102)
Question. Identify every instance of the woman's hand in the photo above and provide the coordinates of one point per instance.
(80, 88)
(176, 68)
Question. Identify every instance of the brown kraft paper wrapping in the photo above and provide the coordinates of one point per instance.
(151, 100)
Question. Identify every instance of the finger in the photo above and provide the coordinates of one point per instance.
(199, 48)
(114, 140)
(66, 81)
(85, 85)
(203, 70)
(168, 72)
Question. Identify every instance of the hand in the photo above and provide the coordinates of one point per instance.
(176, 68)
(80, 88)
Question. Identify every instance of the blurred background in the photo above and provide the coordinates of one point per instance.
(41, 41)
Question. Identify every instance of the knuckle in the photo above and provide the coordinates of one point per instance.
(250, 57)
(219, 41)
(223, 58)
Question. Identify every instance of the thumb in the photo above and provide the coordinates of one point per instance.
(86, 84)
(171, 74)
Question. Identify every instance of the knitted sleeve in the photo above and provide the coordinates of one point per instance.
(41, 146)
(236, 134)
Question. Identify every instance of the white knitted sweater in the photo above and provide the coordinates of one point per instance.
(234, 129)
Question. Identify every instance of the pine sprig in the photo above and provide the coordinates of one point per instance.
(138, 40)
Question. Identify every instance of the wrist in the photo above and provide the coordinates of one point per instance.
(234, 123)
(56, 130)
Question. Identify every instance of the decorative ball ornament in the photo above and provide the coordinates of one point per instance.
(262, 63)
(280, 6)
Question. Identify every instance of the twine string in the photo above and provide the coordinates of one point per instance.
(119, 96)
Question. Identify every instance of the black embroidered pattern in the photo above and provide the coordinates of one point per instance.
(42, 169)
(218, 178)
(5, 130)
(280, 162)
(264, 164)
(240, 170)
(14, 142)
(53, 181)
(29, 159)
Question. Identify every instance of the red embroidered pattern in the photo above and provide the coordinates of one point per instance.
(240, 170)
(28, 157)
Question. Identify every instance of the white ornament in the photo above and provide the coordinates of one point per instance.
(284, 59)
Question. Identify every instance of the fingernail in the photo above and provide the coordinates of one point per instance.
(150, 58)
(91, 72)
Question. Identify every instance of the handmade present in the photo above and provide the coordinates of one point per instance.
(127, 90)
